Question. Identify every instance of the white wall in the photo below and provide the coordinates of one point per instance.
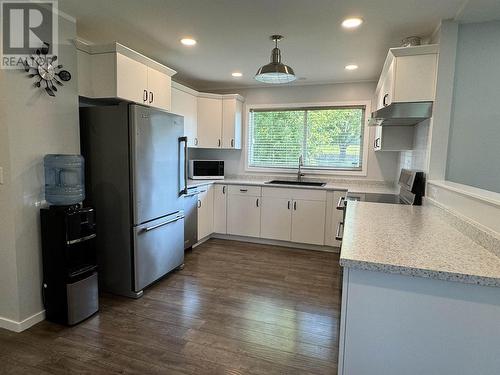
(32, 124)
(381, 166)
(474, 140)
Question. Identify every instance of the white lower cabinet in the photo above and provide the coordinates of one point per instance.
(298, 215)
(243, 211)
(308, 222)
(276, 218)
(205, 211)
(220, 205)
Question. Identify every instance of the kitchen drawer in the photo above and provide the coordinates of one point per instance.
(254, 191)
(299, 193)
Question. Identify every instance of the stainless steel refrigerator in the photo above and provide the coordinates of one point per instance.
(136, 174)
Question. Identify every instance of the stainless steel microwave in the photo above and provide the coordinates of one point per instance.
(206, 169)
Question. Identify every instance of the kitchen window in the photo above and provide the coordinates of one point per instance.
(328, 138)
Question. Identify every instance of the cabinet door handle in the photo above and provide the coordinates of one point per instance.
(232, 142)
(295, 206)
(151, 97)
(257, 202)
(196, 141)
(219, 143)
(224, 190)
(243, 190)
(384, 102)
(199, 203)
(145, 96)
(288, 204)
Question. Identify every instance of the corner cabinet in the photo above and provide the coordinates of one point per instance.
(220, 121)
(116, 72)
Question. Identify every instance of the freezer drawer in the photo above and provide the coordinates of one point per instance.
(158, 248)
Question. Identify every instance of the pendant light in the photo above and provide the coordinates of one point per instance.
(275, 72)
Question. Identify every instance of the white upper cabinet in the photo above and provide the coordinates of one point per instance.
(232, 112)
(219, 121)
(159, 89)
(131, 79)
(185, 103)
(209, 122)
(116, 72)
(409, 75)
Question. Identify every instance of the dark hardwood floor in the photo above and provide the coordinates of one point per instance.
(236, 308)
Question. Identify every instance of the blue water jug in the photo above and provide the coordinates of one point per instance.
(64, 179)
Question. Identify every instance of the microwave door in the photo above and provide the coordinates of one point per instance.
(208, 169)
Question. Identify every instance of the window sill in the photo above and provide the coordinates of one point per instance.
(317, 172)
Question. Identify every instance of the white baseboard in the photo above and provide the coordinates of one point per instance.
(12, 325)
(265, 241)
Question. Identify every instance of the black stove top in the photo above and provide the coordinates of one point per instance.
(375, 197)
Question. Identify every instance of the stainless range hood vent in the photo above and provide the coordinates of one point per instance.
(402, 114)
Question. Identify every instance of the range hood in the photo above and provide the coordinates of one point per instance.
(402, 114)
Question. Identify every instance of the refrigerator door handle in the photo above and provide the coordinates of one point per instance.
(185, 141)
(147, 229)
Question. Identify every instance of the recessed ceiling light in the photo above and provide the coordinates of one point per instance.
(351, 67)
(236, 74)
(188, 41)
(351, 23)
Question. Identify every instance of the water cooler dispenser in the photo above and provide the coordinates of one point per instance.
(70, 287)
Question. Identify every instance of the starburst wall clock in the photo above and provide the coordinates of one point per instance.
(43, 68)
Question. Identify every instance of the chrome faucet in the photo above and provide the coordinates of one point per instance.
(299, 173)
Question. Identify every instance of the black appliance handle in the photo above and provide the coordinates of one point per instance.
(338, 236)
(81, 239)
(340, 203)
(185, 140)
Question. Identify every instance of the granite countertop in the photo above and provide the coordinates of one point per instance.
(415, 241)
(347, 185)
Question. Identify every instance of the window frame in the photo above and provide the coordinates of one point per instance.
(319, 171)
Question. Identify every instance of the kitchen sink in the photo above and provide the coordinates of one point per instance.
(300, 183)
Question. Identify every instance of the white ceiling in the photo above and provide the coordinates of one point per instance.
(233, 35)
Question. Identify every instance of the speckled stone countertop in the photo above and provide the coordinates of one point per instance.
(357, 186)
(415, 241)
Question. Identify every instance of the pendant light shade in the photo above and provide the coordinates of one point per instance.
(275, 72)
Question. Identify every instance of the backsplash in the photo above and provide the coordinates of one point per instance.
(418, 158)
